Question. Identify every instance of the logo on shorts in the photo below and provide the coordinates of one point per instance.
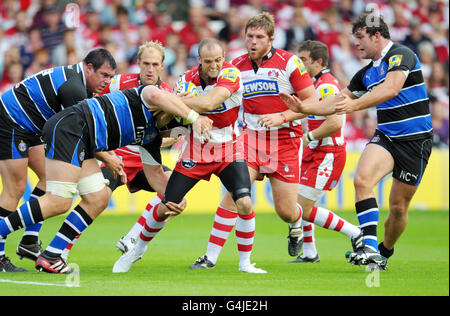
(22, 146)
(82, 155)
(188, 163)
(286, 168)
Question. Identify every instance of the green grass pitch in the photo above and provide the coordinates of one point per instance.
(420, 265)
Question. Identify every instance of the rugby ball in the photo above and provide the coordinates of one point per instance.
(185, 86)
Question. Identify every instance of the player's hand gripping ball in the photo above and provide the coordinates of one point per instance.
(183, 87)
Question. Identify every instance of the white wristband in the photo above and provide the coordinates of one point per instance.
(310, 137)
(192, 116)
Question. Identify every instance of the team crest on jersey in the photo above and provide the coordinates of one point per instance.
(274, 73)
(188, 163)
(301, 67)
(22, 146)
(326, 92)
(395, 61)
(230, 74)
(375, 139)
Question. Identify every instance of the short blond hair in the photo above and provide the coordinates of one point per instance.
(263, 20)
(156, 45)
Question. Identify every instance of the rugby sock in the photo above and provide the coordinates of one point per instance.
(368, 215)
(65, 252)
(3, 213)
(384, 251)
(327, 219)
(299, 221)
(309, 240)
(31, 234)
(245, 233)
(224, 222)
(28, 214)
(152, 226)
(74, 224)
(137, 228)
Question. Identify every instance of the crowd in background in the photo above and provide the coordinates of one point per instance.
(40, 34)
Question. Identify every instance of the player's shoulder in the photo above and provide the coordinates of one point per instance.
(328, 79)
(398, 49)
(241, 62)
(193, 76)
(165, 86)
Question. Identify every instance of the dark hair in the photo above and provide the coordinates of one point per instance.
(98, 57)
(373, 22)
(316, 50)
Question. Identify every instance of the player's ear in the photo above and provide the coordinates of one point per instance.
(199, 60)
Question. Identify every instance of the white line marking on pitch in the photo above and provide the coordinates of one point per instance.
(36, 283)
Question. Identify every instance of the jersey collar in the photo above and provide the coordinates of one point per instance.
(383, 53)
(322, 72)
(269, 55)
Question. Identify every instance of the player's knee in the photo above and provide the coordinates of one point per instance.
(244, 205)
(360, 183)
(398, 210)
(97, 200)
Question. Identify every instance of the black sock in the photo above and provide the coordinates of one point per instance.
(384, 251)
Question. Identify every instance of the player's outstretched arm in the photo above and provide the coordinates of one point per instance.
(387, 90)
(157, 99)
(325, 107)
(208, 102)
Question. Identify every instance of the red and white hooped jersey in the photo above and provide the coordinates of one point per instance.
(326, 85)
(130, 154)
(225, 126)
(279, 71)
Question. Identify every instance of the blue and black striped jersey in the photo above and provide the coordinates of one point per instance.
(118, 119)
(34, 100)
(406, 116)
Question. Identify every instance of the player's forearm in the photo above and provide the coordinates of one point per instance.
(329, 127)
(380, 94)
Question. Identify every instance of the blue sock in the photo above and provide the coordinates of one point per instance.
(3, 213)
(31, 234)
(74, 224)
(27, 214)
(368, 215)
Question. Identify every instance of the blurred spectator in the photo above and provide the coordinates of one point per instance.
(214, 9)
(172, 42)
(41, 61)
(251, 8)
(4, 46)
(440, 124)
(415, 37)
(439, 83)
(53, 30)
(330, 29)
(438, 32)
(14, 74)
(38, 18)
(109, 15)
(299, 30)
(125, 34)
(427, 55)
(179, 66)
(60, 53)
(31, 46)
(88, 34)
(233, 26)
(18, 34)
(197, 22)
(161, 25)
(146, 12)
(11, 56)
